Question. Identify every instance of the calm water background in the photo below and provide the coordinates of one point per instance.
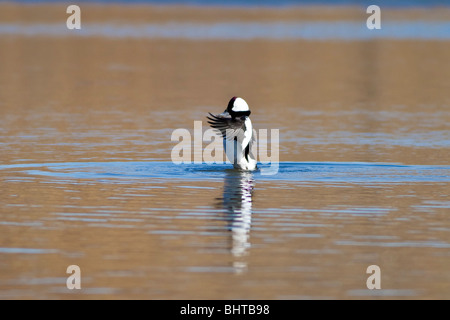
(259, 3)
(86, 177)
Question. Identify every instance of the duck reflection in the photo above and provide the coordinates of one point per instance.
(237, 201)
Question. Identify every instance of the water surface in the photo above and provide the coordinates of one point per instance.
(314, 30)
(86, 176)
(139, 228)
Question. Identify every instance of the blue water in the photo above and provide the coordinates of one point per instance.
(289, 172)
(271, 3)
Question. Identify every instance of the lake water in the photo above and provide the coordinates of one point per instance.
(87, 179)
(316, 30)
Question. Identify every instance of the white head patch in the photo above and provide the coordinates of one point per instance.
(240, 105)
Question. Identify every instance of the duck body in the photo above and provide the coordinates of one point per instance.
(236, 128)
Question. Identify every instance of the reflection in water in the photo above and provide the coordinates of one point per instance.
(237, 201)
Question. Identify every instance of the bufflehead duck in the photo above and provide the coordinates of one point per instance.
(236, 128)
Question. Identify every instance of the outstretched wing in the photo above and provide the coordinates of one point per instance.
(230, 128)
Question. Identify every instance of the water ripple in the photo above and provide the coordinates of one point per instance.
(315, 172)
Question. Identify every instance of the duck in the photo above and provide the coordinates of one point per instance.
(236, 128)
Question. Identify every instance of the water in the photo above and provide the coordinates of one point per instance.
(138, 229)
(86, 176)
(318, 31)
(269, 3)
(288, 172)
